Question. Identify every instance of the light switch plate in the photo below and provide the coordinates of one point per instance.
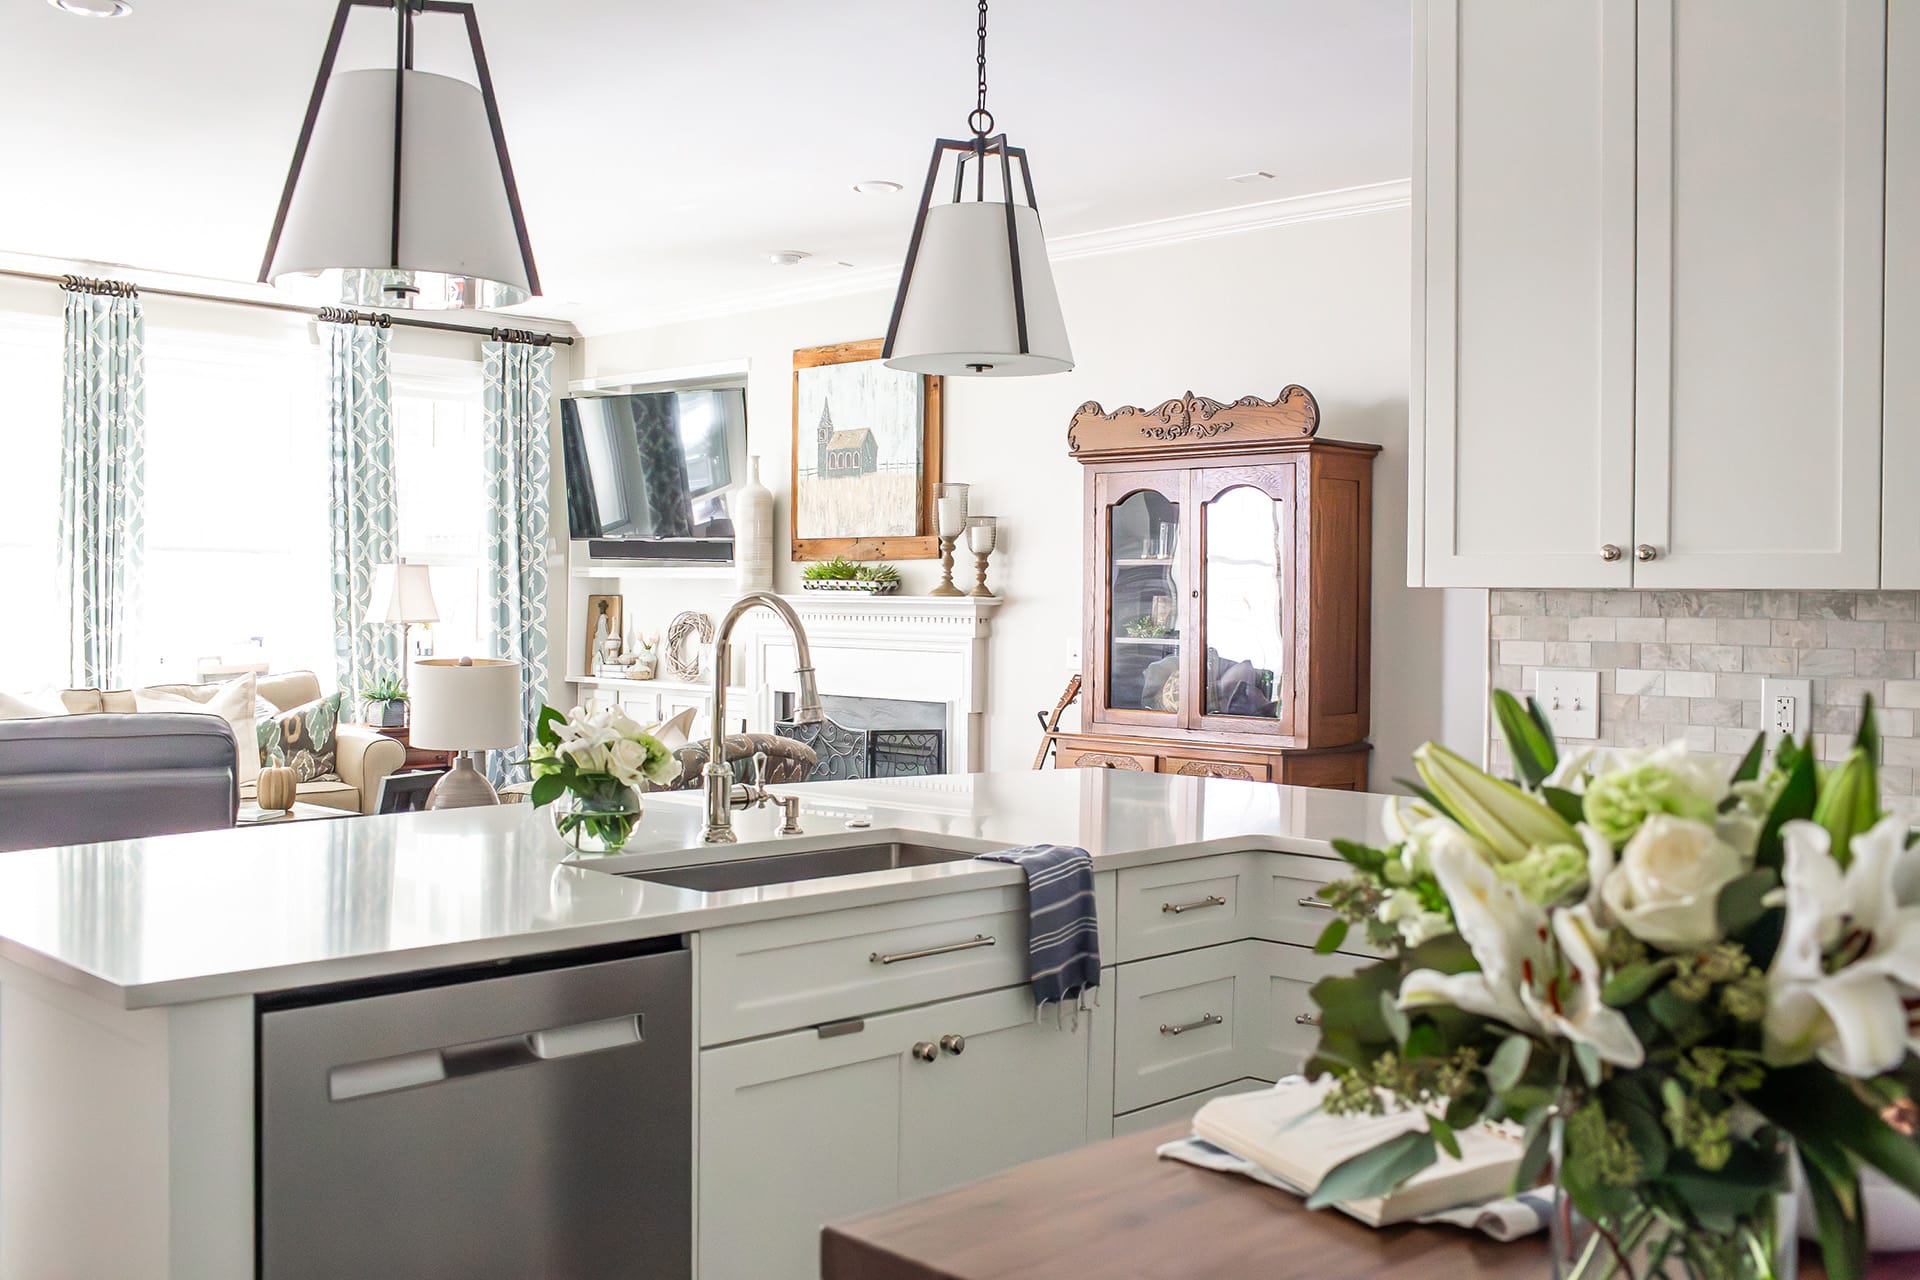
(1571, 700)
(1786, 707)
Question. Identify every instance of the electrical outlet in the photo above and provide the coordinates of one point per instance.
(1571, 700)
(1786, 707)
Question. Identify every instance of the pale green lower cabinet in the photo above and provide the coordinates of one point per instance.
(799, 1129)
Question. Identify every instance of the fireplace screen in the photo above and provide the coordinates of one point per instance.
(871, 738)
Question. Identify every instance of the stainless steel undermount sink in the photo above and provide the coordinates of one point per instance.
(785, 868)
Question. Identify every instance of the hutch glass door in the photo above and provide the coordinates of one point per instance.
(1246, 525)
(1143, 566)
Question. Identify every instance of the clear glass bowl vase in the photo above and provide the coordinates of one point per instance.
(601, 822)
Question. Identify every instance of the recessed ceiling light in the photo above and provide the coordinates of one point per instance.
(788, 257)
(94, 8)
(876, 187)
(1258, 175)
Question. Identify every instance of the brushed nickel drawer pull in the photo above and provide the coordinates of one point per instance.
(1318, 904)
(1175, 908)
(1307, 1019)
(978, 940)
(1204, 1020)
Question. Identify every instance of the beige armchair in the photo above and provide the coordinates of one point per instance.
(364, 755)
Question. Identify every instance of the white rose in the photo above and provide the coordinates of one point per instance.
(1666, 889)
(627, 761)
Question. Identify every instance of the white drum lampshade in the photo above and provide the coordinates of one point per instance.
(958, 312)
(402, 593)
(465, 705)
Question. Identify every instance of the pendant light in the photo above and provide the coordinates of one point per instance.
(976, 296)
(400, 193)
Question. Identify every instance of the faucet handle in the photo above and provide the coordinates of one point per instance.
(760, 771)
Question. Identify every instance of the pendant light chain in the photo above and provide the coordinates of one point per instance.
(980, 120)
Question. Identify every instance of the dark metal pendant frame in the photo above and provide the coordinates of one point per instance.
(975, 150)
(403, 62)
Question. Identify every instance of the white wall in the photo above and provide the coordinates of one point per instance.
(1324, 303)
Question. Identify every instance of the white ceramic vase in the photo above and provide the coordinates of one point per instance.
(753, 533)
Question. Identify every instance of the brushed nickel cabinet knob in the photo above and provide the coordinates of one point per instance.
(1609, 552)
(954, 1044)
(926, 1051)
(1644, 553)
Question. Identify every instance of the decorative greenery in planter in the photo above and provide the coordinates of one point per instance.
(386, 703)
(842, 574)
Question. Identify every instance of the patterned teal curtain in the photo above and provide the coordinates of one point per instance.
(103, 484)
(519, 414)
(362, 510)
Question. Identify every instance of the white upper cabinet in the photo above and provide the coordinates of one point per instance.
(1757, 435)
(1523, 343)
(1900, 551)
(1648, 293)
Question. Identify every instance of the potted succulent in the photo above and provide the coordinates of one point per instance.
(385, 700)
(842, 574)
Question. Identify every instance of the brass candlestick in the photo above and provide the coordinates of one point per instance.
(946, 587)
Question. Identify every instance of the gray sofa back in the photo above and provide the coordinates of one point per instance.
(79, 779)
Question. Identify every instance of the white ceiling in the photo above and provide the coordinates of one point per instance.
(664, 146)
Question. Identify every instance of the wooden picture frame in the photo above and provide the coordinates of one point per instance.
(614, 607)
(924, 544)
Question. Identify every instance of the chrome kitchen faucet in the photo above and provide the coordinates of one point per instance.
(718, 775)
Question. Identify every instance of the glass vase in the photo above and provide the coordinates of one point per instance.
(1672, 1240)
(601, 821)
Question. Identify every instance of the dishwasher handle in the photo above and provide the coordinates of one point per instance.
(503, 1053)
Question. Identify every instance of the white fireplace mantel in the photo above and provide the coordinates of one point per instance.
(915, 648)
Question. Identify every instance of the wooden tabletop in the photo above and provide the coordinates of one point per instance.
(1114, 1211)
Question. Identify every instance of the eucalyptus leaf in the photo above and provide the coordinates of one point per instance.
(1509, 1063)
(1443, 1134)
(1330, 938)
(1534, 1157)
(1394, 1017)
(1377, 1171)
(1589, 1059)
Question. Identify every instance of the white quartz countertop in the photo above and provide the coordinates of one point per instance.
(175, 919)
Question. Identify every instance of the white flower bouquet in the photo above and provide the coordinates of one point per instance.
(595, 764)
(1694, 974)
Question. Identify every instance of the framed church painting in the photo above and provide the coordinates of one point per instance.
(866, 456)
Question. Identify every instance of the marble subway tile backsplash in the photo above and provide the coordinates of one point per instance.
(1688, 664)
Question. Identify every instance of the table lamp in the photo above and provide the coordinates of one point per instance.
(402, 595)
(465, 705)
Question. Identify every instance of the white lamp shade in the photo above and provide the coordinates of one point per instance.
(958, 316)
(402, 593)
(465, 704)
(458, 246)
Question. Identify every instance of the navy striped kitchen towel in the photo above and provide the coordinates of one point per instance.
(1063, 941)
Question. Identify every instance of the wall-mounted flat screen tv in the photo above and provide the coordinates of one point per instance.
(654, 467)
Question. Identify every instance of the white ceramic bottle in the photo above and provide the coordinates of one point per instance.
(753, 533)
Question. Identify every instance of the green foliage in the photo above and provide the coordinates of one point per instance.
(1377, 1171)
(384, 689)
(878, 574)
(838, 569)
(1797, 797)
(1528, 736)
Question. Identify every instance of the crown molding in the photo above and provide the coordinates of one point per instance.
(1347, 202)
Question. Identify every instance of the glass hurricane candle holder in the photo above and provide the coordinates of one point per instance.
(982, 533)
(950, 506)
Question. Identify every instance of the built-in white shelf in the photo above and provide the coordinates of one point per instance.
(651, 569)
(658, 686)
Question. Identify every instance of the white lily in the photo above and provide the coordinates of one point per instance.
(1524, 981)
(1848, 953)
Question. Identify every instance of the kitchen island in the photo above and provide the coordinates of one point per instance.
(133, 979)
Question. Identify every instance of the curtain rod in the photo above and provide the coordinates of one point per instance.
(340, 315)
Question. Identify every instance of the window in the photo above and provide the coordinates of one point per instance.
(237, 563)
(33, 643)
(439, 486)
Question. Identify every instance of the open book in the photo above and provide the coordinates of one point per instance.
(1280, 1129)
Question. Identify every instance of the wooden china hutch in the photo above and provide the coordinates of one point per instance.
(1228, 592)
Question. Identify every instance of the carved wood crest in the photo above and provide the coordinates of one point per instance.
(1190, 420)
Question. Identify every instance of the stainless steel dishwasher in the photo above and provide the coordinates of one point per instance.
(523, 1122)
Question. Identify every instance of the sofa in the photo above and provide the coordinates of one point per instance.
(78, 779)
(364, 755)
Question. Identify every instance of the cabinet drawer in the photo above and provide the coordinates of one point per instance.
(1182, 905)
(1182, 1025)
(1287, 1016)
(1181, 1108)
(1197, 767)
(642, 704)
(1102, 758)
(760, 978)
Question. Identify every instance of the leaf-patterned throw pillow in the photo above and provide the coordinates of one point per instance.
(302, 739)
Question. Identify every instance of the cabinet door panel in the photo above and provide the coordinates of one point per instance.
(1140, 563)
(1017, 1091)
(1523, 260)
(796, 1131)
(1757, 448)
(1246, 544)
(1900, 514)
